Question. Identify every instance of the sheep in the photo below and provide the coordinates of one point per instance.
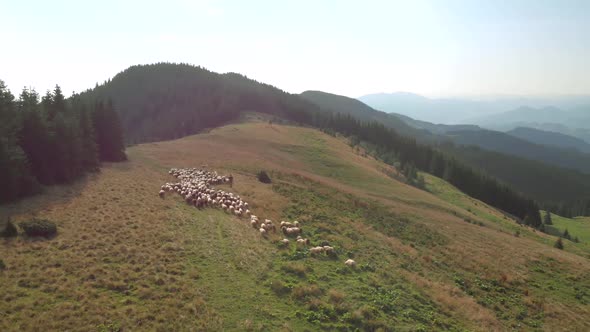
(329, 250)
(285, 241)
(162, 193)
(291, 230)
(302, 242)
(254, 223)
(296, 223)
(262, 231)
(286, 224)
(316, 250)
(350, 263)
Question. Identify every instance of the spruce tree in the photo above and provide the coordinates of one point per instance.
(34, 137)
(547, 219)
(89, 157)
(109, 133)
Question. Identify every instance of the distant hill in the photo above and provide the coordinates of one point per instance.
(504, 143)
(505, 157)
(166, 101)
(521, 114)
(487, 111)
(550, 138)
(419, 107)
(328, 102)
(544, 182)
(573, 122)
(434, 128)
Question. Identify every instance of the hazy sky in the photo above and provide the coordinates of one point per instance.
(434, 48)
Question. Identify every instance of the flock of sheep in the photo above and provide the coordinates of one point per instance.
(195, 187)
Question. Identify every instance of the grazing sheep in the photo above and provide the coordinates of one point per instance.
(302, 242)
(285, 241)
(329, 250)
(162, 193)
(262, 231)
(350, 263)
(291, 231)
(316, 250)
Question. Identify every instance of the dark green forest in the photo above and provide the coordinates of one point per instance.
(52, 140)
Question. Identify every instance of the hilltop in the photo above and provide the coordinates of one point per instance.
(427, 260)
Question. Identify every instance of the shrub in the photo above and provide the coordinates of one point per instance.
(335, 296)
(279, 287)
(297, 269)
(9, 230)
(558, 244)
(2, 265)
(39, 227)
(301, 292)
(263, 177)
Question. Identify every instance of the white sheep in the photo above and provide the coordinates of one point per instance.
(316, 250)
(350, 263)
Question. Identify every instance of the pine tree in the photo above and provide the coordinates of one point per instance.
(547, 219)
(89, 156)
(34, 137)
(56, 103)
(109, 134)
(566, 234)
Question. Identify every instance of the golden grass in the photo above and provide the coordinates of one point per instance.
(126, 258)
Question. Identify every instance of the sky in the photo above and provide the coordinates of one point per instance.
(434, 48)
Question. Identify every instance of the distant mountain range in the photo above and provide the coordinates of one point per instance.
(565, 115)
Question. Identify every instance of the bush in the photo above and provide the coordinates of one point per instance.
(39, 227)
(558, 244)
(279, 287)
(2, 265)
(263, 177)
(9, 230)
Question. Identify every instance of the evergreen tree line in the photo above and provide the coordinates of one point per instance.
(52, 140)
(391, 148)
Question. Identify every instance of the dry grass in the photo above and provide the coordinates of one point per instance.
(125, 258)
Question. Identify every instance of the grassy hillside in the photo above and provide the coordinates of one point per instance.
(577, 227)
(126, 259)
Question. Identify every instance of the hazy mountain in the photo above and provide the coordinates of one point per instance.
(570, 122)
(336, 103)
(482, 110)
(434, 128)
(445, 111)
(550, 138)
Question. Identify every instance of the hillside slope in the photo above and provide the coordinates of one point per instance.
(550, 138)
(517, 164)
(508, 144)
(166, 100)
(126, 259)
(328, 102)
